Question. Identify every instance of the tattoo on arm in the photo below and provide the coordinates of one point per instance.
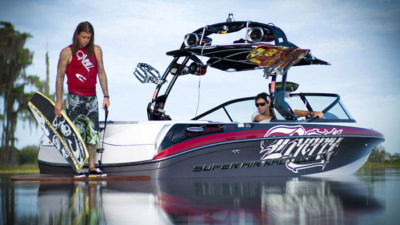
(101, 70)
(61, 69)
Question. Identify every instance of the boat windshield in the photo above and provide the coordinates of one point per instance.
(241, 110)
(330, 104)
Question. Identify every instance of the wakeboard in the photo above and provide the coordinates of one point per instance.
(60, 130)
(276, 59)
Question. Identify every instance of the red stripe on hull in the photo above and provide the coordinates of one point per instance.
(242, 135)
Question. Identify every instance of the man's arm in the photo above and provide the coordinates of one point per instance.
(102, 75)
(65, 57)
(300, 113)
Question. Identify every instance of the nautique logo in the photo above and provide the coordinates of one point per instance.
(319, 146)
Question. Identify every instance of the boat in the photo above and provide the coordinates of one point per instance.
(222, 141)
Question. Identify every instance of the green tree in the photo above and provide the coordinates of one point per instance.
(377, 155)
(28, 155)
(14, 59)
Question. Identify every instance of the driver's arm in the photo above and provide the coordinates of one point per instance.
(300, 113)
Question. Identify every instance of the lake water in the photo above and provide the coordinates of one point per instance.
(370, 197)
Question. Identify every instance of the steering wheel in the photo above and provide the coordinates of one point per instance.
(311, 119)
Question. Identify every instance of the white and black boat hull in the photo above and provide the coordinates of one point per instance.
(232, 150)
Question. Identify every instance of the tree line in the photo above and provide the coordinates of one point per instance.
(379, 155)
(16, 88)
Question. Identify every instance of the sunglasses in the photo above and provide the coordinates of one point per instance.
(261, 104)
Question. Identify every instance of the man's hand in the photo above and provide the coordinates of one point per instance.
(106, 103)
(317, 114)
(58, 108)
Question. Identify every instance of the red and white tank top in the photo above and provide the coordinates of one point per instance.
(82, 73)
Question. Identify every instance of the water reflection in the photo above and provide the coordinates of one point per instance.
(215, 201)
(73, 203)
(271, 201)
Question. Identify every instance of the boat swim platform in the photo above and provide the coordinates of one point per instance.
(66, 178)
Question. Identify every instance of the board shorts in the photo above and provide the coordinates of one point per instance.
(84, 113)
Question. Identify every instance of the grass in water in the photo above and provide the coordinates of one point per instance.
(385, 165)
(27, 168)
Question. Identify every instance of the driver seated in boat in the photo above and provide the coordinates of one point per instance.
(264, 112)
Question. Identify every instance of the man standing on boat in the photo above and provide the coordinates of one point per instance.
(82, 61)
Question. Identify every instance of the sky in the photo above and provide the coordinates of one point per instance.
(359, 38)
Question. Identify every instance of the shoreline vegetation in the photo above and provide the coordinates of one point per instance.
(25, 169)
(27, 164)
(377, 166)
(379, 159)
